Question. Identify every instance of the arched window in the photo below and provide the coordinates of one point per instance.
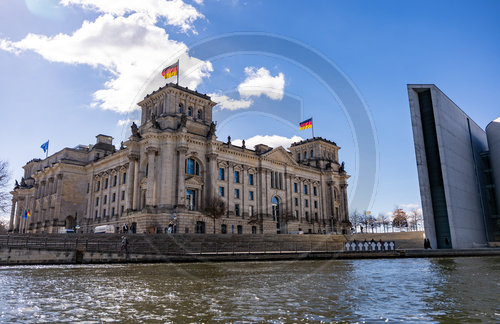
(181, 108)
(192, 167)
(198, 115)
(276, 207)
(298, 156)
(312, 154)
(305, 155)
(190, 111)
(223, 228)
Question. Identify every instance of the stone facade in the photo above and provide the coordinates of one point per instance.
(172, 167)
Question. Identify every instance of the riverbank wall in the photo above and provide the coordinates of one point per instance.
(106, 248)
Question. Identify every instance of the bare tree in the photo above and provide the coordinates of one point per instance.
(215, 208)
(383, 220)
(4, 181)
(355, 218)
(3, 227)
(414, 217)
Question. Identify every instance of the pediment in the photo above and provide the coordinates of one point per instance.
(193, 181)
(281, 155)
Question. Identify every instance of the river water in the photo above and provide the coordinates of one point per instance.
(400, 290)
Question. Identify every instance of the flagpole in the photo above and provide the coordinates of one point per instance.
(178, 70)
(312, 128)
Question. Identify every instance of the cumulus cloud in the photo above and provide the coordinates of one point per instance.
(175, 12)
(225, 102)
(126, 122)
(270, 140)
(129, 47)
(260, 82)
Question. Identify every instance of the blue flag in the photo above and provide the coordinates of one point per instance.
(25, 214)
(45, 146)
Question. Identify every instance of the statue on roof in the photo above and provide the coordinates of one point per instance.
(16, 185)
(211, 131)
(243, 144)
(341, 169)
(135, 130)
(183, 121)
(23, 183)
(154, 122)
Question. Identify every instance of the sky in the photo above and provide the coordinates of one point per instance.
(72, 69)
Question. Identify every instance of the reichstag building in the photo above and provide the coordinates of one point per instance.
(171, 168)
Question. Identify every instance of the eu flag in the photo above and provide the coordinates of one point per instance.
(25, 214)
(45, 147)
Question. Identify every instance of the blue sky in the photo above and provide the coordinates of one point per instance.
(71, 71)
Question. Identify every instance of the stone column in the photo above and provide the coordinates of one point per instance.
(12, 211)
(18, 216)
(211, 176)
(181, 188)
(151, 181)
(132, 181)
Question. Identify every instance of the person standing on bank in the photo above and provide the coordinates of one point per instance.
(124, 244)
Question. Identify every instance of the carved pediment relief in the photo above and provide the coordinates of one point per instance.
(222, 164)
(281, 155)
(194, 181)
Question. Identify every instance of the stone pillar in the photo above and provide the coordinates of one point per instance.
(151, 181)
(12, 211)
(181, 188)
(212, 176)
(131, 181)
(18, 216)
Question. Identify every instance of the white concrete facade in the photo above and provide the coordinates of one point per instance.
(454, 143)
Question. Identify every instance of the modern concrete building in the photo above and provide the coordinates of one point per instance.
(459, 199)
(172, 167)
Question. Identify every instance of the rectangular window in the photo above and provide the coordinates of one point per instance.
(250, 195)
(316, 216)
(123, 195)
(104, 213)
(315, 204)
(88, 187)
(97, 201)
(250, 211)
(106, 183)
(272, 179)
(105, 199)
(296, 201)
(113, 211)
(250, 179)
(98, 186)
(305, 189)
(96, 214)
(237, 176)
(221, 173)
(296, 214)
(237, 210)
(315, 191)
(306, 203)
(221, 191)
(121, 210)
(307, 216)
(115, 178)
(124, 180)
(295, 187)
(113, 199)
(281, 180)
(237, 193)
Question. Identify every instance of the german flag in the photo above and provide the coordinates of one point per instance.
(170, 71)
(308, 123)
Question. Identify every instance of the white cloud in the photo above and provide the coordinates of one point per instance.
(227, 70)
(260, 82)
(126, 122)
(270, 140)
(176, 12)
(410, 206)
(130, 48)
(224, 102)
(200, 2)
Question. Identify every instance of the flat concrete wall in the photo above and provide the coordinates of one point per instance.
(459, 151)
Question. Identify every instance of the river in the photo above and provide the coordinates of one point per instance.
(382, 290)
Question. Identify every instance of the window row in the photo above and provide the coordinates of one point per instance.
(236, 193)
(306, 189)
(305, 155)
(113, 198)
(306, 203)
(114, 182)
(236, 177)
(190, 111)
(113, 212)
